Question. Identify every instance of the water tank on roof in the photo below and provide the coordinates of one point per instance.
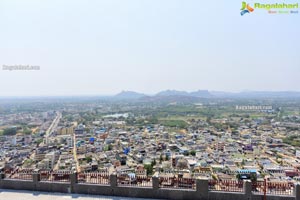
(92, 140)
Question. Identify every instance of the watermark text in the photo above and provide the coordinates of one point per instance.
(20, 67)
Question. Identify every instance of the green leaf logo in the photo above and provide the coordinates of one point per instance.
(244, 4)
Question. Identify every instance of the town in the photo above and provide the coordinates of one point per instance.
(213, 139)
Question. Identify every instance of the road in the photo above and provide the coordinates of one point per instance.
(289, 157)
(53, 125)
(75, 153)
(51, 128)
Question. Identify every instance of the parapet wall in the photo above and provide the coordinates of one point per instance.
(201, 191)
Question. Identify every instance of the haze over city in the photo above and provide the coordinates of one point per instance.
(104, 47)
(157, 99)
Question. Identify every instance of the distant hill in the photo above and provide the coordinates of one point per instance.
(129, 95)
(170, 99)
(199, 93)
(268, 94)
(257, 94)
(172, 93)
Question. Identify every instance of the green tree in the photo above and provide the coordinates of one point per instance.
(186, 153)
(89, 159)
(160, 159)
(39, 141)
(243, 162)
(149, 169)
(27, 131)
(167, 157)
(10, 131)
(108, 147)
(253, 177)
(193, 152)
(153, 163)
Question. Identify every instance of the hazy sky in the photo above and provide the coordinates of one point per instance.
(105, 46)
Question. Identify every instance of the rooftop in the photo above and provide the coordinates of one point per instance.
(15, 194)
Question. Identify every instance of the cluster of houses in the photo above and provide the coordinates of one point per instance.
(253, 150)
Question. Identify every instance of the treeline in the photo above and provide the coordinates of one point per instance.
(14, 130)
(10, 131)
(293, 140)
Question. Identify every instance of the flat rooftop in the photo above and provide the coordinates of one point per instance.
(33, 195)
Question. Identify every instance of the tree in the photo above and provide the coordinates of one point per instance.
(167, 157)
(186, 153)
(39, 141)
(10, 131)
(160, 159)
(108, 147)
(89, 159)
(153, 163)
(253, 177)
(208, 119)
(28, 162)
(193, 152)
(27, 131)
(149, 169)
(243, 162)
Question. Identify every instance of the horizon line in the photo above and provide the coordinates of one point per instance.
(147, 94)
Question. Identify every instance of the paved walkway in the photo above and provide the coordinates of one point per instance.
(29, 195)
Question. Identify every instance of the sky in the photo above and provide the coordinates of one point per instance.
(101, 47)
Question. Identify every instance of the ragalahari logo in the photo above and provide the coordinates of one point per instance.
(246, 8)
